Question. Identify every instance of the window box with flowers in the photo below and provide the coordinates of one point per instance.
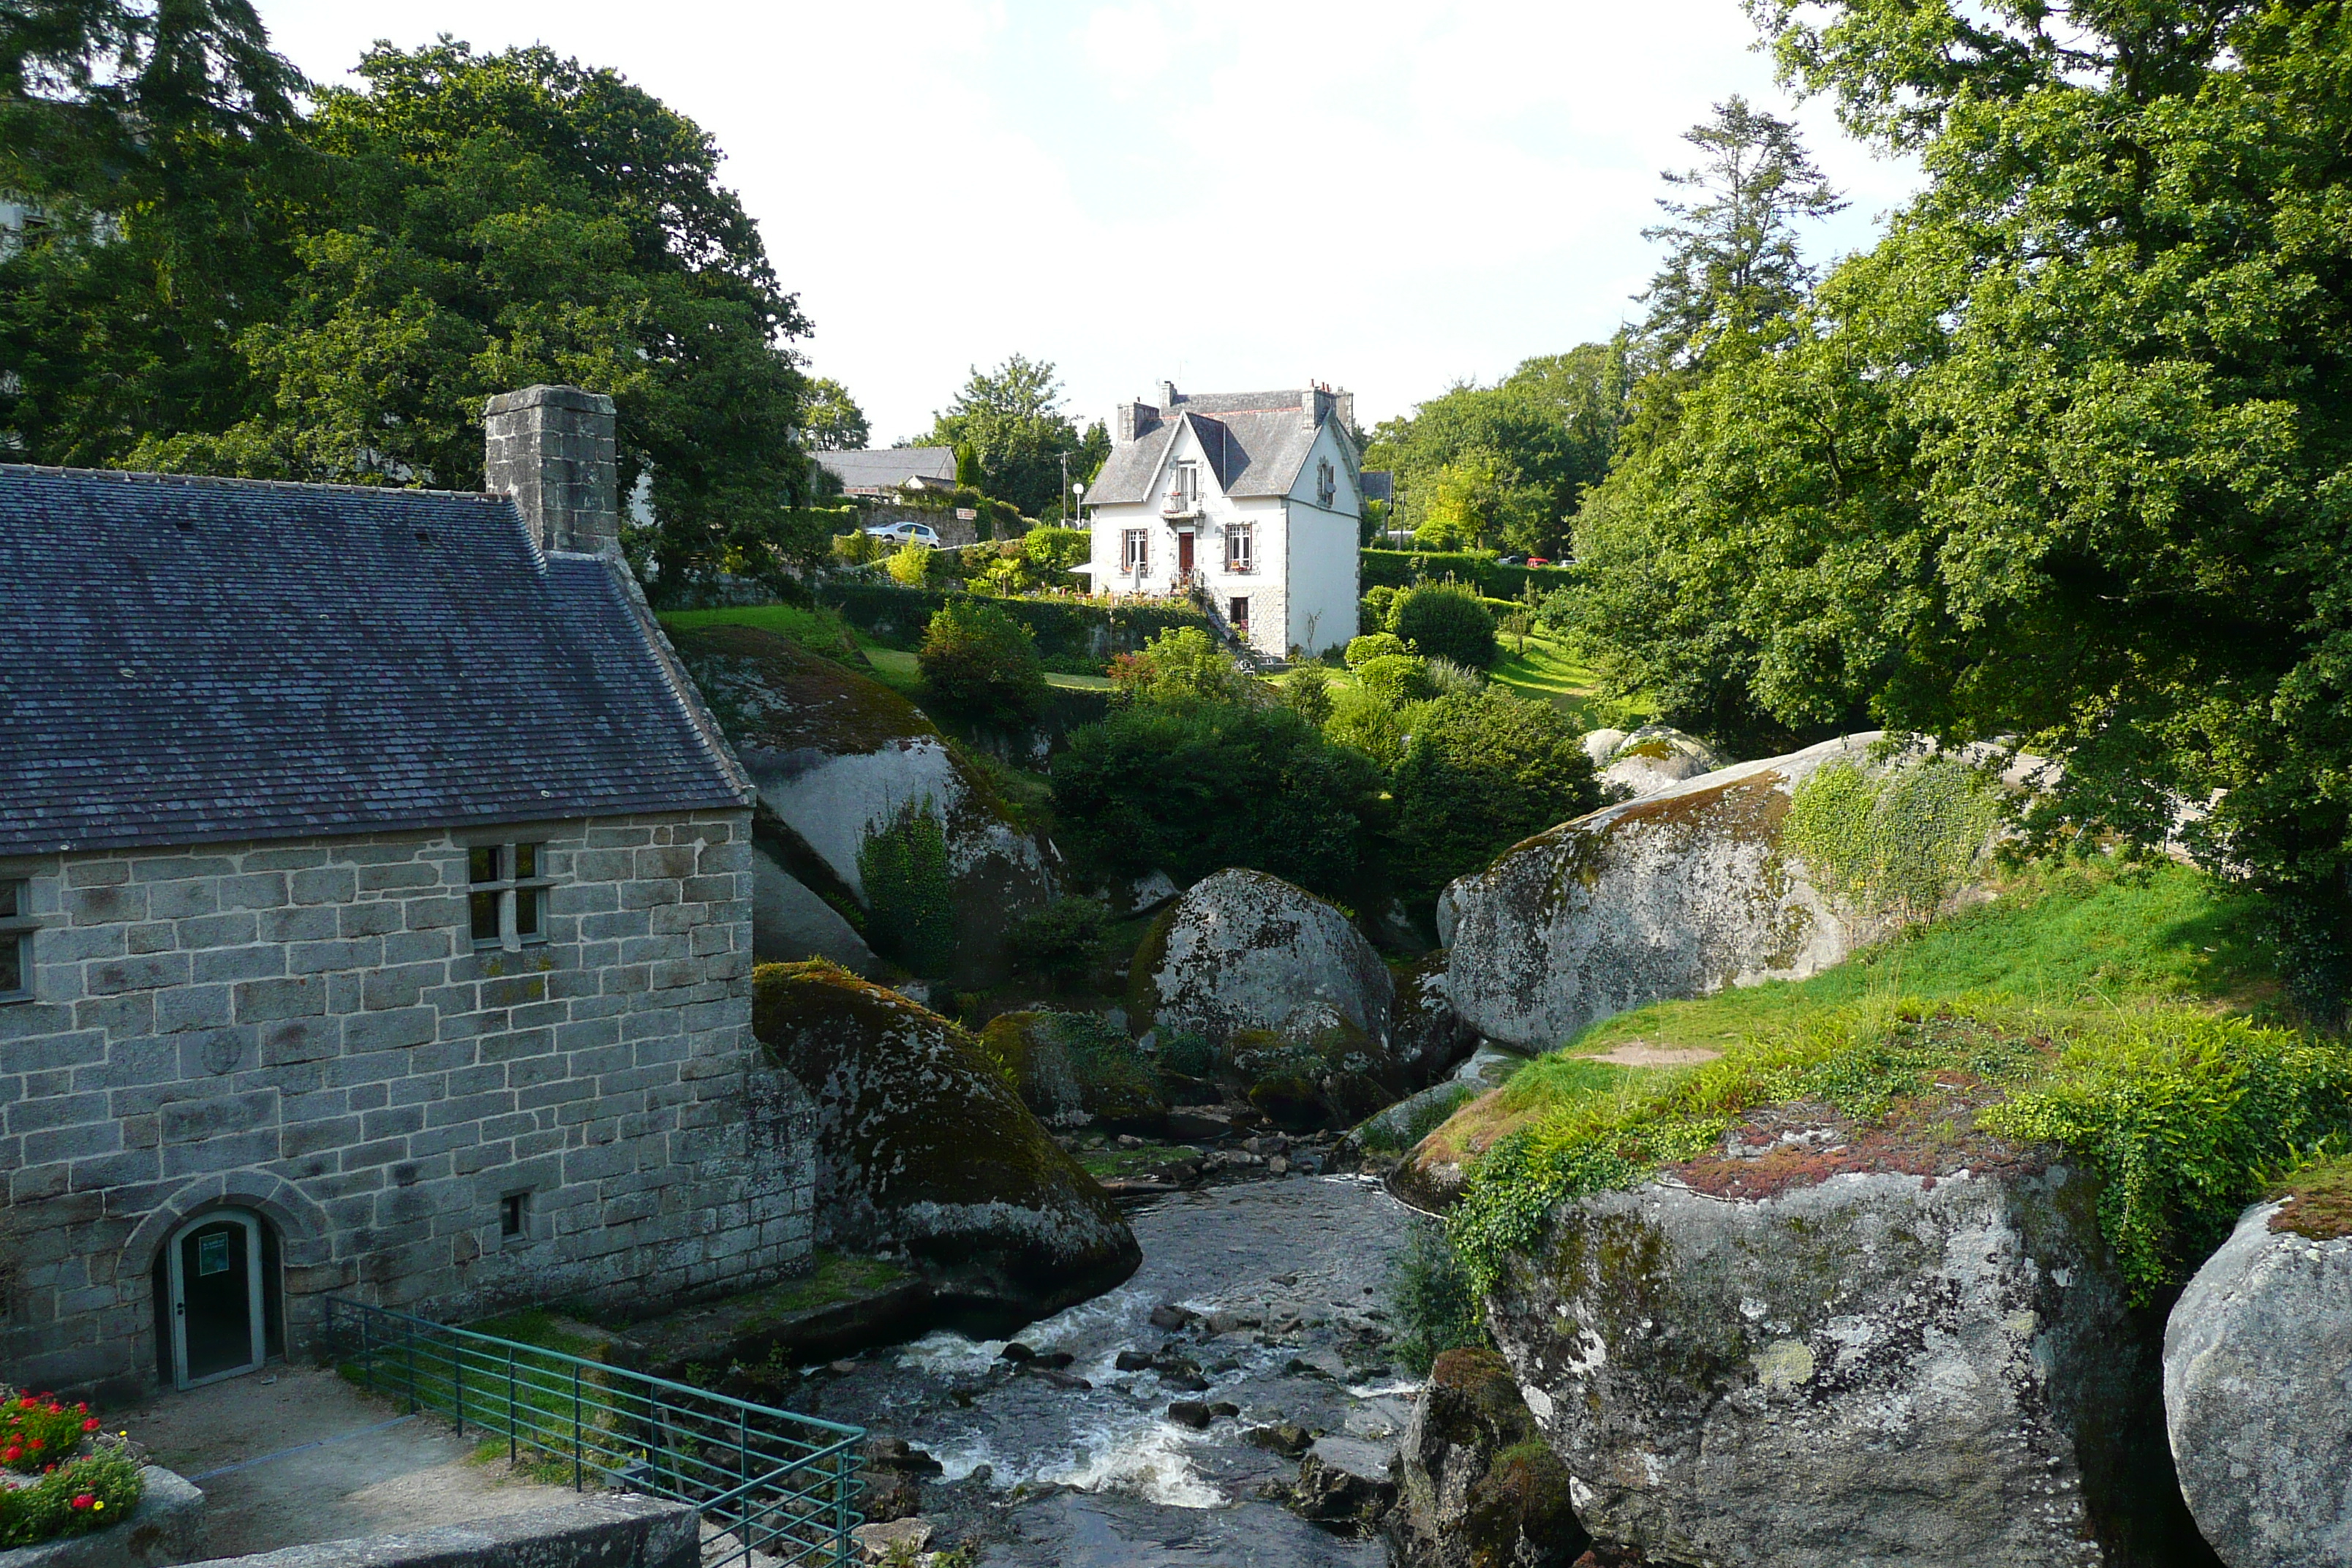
(61, 1472)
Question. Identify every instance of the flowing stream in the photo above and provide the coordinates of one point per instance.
(1289, 1279)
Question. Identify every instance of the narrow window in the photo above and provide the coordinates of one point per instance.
(16, 941)
(1188, 487)
(507, 893)
(1137, 558)
(1239, 546)
(514, 1215)
(1240, 615)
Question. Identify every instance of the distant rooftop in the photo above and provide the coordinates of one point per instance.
(880, 470)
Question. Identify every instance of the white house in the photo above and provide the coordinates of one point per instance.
(1253, 497)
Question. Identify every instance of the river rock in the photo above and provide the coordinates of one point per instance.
(837, 757)
(1074, 1069)
(1285, 985)
(1477, 1487)
(1345, 1484)
(1601, 745)
(1677, 893)
(2257, 1388)
(921, 1144)
(1427, 1033)
(1653, 757)
(1884, 1366)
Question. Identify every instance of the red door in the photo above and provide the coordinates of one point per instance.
(1184, 554)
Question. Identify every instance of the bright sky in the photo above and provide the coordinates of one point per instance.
(1388, 195)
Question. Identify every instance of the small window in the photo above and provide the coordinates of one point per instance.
(1239, 546)
(16, 927)
(1138, 557)
(514, 1215)
(1240, 615)
(1188, 487)
(507, 893)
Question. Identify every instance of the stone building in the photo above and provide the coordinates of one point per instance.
(374, 917)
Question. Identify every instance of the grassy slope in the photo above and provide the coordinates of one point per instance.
(1546, 669)
(2057, 936)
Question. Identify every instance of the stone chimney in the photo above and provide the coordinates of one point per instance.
(1167, 398)
(1313, 405)
(1343, 409)
(550, 449)
(1127, 419)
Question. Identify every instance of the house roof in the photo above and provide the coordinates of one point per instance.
(888, 467)
(199, 661)
(1254, 441)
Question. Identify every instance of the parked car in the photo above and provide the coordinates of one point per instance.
(921, 533)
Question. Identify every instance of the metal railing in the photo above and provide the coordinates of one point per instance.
(781, 1485)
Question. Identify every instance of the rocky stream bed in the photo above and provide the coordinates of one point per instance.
(1258, 1315)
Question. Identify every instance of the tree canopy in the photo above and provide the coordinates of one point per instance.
(2065, 457)
(1013, 420)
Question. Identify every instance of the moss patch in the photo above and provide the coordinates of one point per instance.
(772, 693)
(2318, 1201)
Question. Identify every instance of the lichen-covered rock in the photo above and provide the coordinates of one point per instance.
(1426, 1032)
(1677, 893)
(2257, 1392)
(1242, 950)
(1880, 1367)
(1074, 1069)
(1477, 1486)
(1345, 1485)
(837, 757)
(789, 922)
(1601, 745)
(1653, 757)
(923, 1143)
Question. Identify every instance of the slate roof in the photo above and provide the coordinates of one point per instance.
(887, 467)
(199, 661)
(1255, 440)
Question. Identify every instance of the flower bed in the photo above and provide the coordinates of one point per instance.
(61, 1473)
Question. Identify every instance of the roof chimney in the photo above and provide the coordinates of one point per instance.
(1313, 405)
(1167, 398)
(550, 449)
(1127, 420)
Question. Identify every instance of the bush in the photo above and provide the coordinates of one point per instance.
(1056, 549)
(910, 564)
(1365, 722)
(1194, 790)
(1485, 769)
(1373, 610)
(1308, 693)
(979, 661)
(1186, 1054)
(1184, 667)
(1447, 679)
(1395, 679)
(1059, 941)
(856, 548)
(1376, 645)
(89, 1493)
(1442, 620)
(1431, 1300)
(909, 892)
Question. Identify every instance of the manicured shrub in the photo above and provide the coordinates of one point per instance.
(979, 661)
(1484, 769)
(1372, 611)
(1192, 790)
(909, 891)
(1374, 644)
(1396, 678)
(1441, 620)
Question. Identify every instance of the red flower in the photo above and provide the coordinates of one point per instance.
(84, 1500)
(39, 1445)
(81, 1409)
(13, 1452)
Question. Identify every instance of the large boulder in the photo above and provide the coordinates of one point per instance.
(1286, 988)
(1426, 1031)
(1653, 757)
(1075, 1069)
(2258, 1389)
(1477, 1486)
(922, 1143)
(1847, 1351)
(837, 759)
(1686, 891)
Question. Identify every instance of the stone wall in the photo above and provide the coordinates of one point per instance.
(308, 1030)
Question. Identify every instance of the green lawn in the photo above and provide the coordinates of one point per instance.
(1542, 667)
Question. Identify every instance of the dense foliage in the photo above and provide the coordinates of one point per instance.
(1184, 667)
(1059, 941)
(2065, 456)
(219, 284)
(1195, 788)
(1484, 771)
(979, 663)
(910, 888)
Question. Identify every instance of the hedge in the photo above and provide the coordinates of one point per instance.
(1066, 628)
(1403, 568)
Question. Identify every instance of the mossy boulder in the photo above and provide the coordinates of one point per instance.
(1292, 997)
(1074, 1069)
(1704, 884)
(2258, 1382)
(838, 758)
(1478, 1486)
(1925, 1357)
(923, 1143)
(1653, 757)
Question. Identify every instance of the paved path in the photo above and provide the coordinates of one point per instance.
(371, 1471)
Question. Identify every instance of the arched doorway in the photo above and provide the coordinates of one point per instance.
(219, 1279)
